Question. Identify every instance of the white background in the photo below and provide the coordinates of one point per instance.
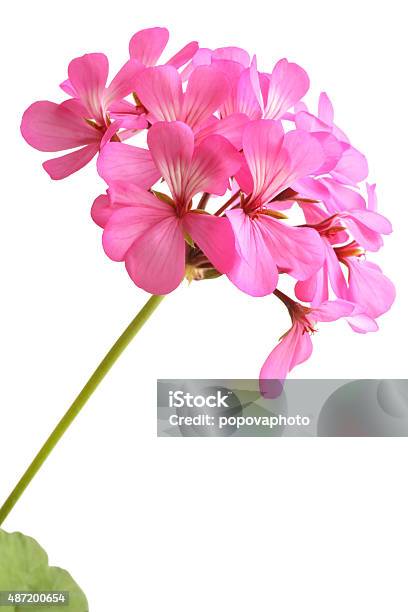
(227, 525)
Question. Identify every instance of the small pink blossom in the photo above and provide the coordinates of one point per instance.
(148, 232)
(265, 245)
(84, 120)
(295, 346)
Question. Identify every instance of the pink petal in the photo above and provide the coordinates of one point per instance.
(53, 127)
(288, 84)
(362, 323)
(254, 270)
(184, 55)
(128, 223)
(294, 348)
(371, 197)
(233, 71)
(366, 227)
(235, 54)
(88, 75)
(147, 45)
(159, 89)
(66, 86)
(262, 143)
(61, 167)
(172, 145)
(102, 210)
(371, 219)
(332, 310)
(230, 127)
(305, 153)
(308, 122)
(352, 167)
(299, 251)
(123, 83)
(335, 272)
(325, 112)
(248, 94)
(122, 162)
(214, 236)
(369, 287)
(342, 197)
(156, 261)
(315, 289)
(333, 150)
(214, 161)
(207, 88)
(276, 161)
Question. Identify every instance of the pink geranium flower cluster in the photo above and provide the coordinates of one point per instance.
(208, 123)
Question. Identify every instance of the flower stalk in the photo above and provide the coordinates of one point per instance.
(99, 374)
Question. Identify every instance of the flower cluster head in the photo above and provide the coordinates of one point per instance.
(216, 167)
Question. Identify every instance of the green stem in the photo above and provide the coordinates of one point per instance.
(99, 374)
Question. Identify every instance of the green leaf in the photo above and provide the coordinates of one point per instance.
(24, 567)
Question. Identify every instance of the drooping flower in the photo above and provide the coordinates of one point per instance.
(149, 232)
(265, 245)
(296, 346)
(83, 121)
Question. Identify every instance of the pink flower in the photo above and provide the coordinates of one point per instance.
(349, 166)
(266, 246)
(148, 232)
(295, 346)
(160, 91)
(366, 285)
(257, 95)
(83, 121)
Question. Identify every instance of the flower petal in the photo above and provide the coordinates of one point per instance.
(61, 167)
(293, 349)
(53, 127)
(122, 162)
(230, 127)
(288, 84)
(123, 83)
(262, 142)
(88, 75)
(184, 55)
(214, 236)
(207, 88)
(101, 210)
(352, 168)
(171, 145)
(136, 211)
(236, 54)
(369, 287)
(325, 112)
(299, 251)
(332, 310)
(156, 261)
(214, 161)
(160, 91)
(254, 270)
(147, 45)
